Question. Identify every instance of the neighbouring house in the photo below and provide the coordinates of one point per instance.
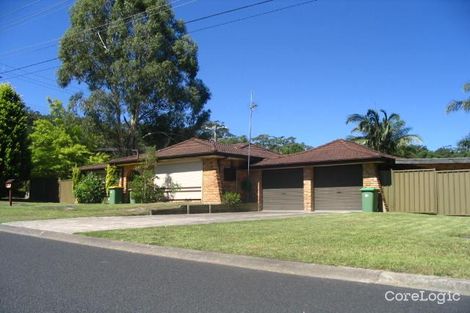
(328, 177)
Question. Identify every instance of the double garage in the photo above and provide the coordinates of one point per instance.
(334, 188)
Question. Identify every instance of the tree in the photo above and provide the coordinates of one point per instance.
(63, 139)
(282, 145)
(140, 67)
(15, 156)
(387, 134)
(144, 189)
(234, 140)
(214, 130)
(464, 144)
(456, 105)
(54, 151)
(80, 128)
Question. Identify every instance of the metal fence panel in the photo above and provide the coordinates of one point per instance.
(415, 191)
(411, 191)
(453, 192)
(66, 191)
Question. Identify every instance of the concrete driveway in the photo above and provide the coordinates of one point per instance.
(85, 224)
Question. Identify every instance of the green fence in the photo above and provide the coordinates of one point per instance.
(427, 191)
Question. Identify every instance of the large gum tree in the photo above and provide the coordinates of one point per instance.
(140, 67)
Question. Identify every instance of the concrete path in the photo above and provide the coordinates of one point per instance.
(85, 224)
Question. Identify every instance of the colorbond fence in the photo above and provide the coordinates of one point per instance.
(65, 191)
(427, 191)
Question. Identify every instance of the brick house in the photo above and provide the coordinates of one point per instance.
(328, 177)
(203, 169)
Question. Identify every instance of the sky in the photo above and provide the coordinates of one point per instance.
(309, 67)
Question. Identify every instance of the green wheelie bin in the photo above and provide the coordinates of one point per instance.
(369, 199)
(115, 195)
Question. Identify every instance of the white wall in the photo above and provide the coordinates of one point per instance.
(187, 174)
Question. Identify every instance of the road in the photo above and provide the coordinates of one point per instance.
(39, 275)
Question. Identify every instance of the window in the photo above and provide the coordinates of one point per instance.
(230, 174)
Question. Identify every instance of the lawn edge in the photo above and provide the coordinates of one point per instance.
(360, 275)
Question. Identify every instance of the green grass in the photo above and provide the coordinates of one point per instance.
(23, 211)
(423, 244)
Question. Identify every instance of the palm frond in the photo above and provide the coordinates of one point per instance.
(353, 118)
(455, 105)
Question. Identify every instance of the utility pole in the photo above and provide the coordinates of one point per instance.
(252, 107)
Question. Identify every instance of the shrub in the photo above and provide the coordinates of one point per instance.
(144, 189)
(90, 189)
(112, 177)
(232, 199)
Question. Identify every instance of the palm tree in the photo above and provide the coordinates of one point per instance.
(387, 134)
(456, 105)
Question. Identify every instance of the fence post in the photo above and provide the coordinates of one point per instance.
(187, 208)
(210, 208)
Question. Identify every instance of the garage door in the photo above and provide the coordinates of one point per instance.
(338, 187)
(283, 189)
(188, 176)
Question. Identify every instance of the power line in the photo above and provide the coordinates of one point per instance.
(8, 52)
(44, 12)
(253, 16)
(134, 15)
(29, 65)
(200, 29)
(227, 11)
(20, 8)
(39, 81)
(110, 24)
(34, 72)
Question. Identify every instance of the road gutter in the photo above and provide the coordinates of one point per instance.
(380, 277)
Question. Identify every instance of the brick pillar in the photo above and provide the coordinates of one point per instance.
(370, 178)
(211, 182)
(308, 190)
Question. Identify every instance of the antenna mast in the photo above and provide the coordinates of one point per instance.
(252, 107)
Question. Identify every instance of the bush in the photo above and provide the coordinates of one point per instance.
(232, 199)
(90, 189)
(144, 189)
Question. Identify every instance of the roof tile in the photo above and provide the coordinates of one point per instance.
(335, 151)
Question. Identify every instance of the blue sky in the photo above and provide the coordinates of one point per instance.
(309, 67)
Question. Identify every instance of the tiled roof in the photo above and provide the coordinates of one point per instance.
(93, 167)
(197, 147)
(336, 151)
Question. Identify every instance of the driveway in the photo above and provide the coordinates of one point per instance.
(86, 224)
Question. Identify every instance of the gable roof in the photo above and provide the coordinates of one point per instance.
(336, 151)
(195, 147)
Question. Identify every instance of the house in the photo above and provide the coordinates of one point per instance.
(203, 169)
(328, 177)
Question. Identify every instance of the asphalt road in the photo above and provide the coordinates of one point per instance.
(38, 275)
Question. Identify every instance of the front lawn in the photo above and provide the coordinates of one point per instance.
(23, 211)
(422, 244)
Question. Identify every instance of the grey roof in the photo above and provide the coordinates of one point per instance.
(433, 161)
